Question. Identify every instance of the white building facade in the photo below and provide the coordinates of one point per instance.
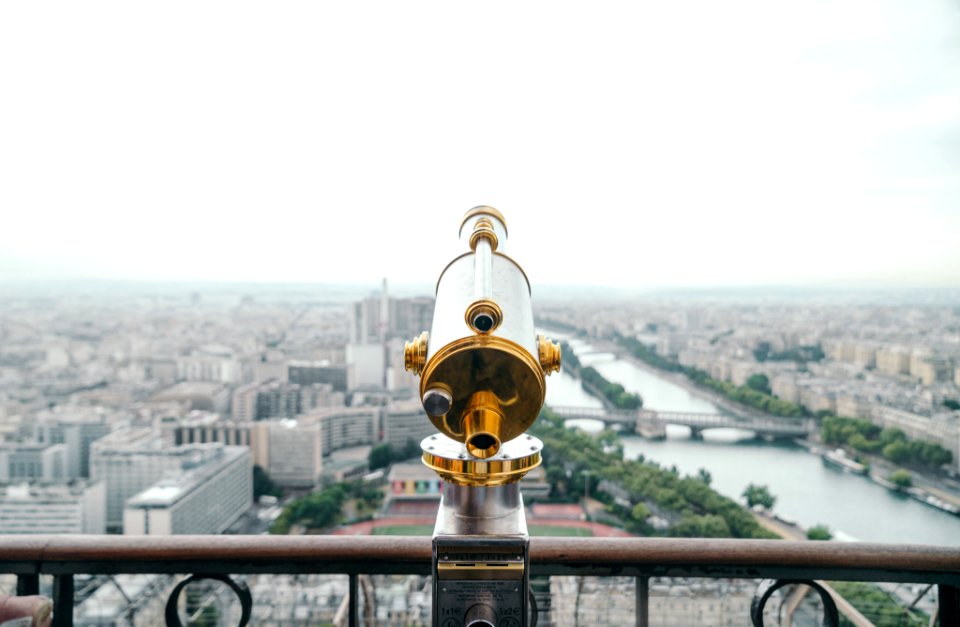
(206, 499)
(78, 507)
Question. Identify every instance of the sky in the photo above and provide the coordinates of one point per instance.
(632, 145)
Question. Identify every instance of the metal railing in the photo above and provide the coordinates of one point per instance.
(217, 557)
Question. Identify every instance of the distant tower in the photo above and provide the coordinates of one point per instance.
(384, 326)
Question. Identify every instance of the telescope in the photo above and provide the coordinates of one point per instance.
(482, 371)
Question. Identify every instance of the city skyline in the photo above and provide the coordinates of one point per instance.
(631, 147)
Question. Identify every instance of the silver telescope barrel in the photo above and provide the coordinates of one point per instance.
(482, 373)
(482, 366)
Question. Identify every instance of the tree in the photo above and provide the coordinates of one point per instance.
(640, 512)
(759, 495)
(897, 452)
(759, 383)
(380, 456)
(410, 450)
(704, 475)
(263, 485)
(762, 351)
(819, 532)
(901, 478)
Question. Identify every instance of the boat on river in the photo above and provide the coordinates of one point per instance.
(838, 458)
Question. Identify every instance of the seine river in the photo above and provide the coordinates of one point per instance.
(808, 491)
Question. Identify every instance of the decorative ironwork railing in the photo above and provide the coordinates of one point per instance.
(218, 557)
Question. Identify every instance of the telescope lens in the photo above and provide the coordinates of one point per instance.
(483, 322)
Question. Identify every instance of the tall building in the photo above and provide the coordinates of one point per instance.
(129, 461)
(295, 453)
(30, 461)
(203, 428)
(77, 507)
(344, 427)
(243, 403)
(276, 399)
(367, 365)
(204, 499)
(267, 399)
(374, 319)
(365, 321)
(76, 434)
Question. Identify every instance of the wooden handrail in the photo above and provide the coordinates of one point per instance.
(694, 557)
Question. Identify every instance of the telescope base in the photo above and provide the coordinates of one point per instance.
(481, 573)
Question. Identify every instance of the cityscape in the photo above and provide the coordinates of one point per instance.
(159, 411)
(711, 377)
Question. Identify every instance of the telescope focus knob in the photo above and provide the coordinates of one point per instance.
(549, 353)
(415, 353)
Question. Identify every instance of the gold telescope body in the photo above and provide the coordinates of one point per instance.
(482, 365)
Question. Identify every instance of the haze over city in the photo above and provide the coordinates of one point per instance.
(663, 145)
(222, 229)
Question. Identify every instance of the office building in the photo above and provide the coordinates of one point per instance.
(76, 434)
(129, 461)
(243, 403)
(366, 366)
(344, 427)
(204, 428)
(77, 507)
(377, 318)
(31, 461)
(213, 491)
(266, 399)
(295, 458)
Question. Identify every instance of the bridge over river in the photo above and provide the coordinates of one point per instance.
(652, 423)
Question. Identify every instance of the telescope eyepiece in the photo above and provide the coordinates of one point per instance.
(483, 322)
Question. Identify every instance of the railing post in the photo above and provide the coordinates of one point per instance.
(643, 601)
(949, 600)
(28, 585)
(353, 602)
(63, 601)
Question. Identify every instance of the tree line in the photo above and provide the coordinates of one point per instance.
(575, 461)
(323, 509)
(891, 443)
(757, 395)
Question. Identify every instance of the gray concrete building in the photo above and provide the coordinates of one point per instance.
(204, 499)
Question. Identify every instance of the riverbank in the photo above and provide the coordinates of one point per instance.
(936, 492)
(809, 491)
(681, 380)
(932, 492)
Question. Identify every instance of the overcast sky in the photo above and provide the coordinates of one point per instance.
(668, 144)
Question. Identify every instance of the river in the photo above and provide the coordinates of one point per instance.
(808, 491)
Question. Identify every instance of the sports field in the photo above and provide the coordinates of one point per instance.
(426, 530)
